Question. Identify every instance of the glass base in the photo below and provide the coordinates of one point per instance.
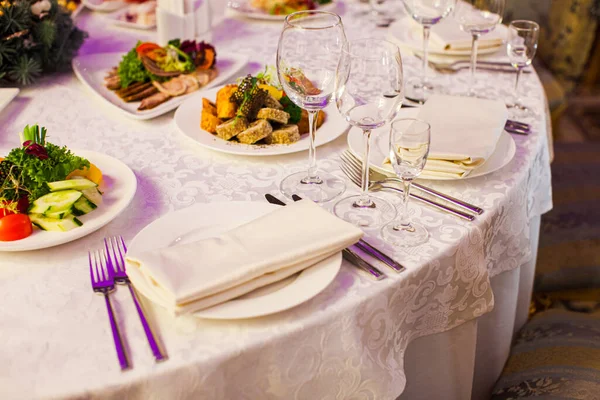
(404, 237)
(418, 91)
(325, 187)
(372, 214)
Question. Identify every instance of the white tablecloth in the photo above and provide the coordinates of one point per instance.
(348, 342)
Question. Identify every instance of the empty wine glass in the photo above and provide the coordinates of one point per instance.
(310, 48)
(369, 94)
(409, 147)
(478, 17)
(521, 47)
(427, 13)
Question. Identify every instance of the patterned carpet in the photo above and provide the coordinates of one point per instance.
(569, 254)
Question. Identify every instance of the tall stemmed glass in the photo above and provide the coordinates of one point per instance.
(478, 17)
(426, 13)
(409, 147)
(521, 47)
(369, 94)
(309, 51)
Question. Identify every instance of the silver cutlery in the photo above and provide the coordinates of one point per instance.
(116, 263)
(103, 284)
(355, 165)
(347, 253)
(371, 250)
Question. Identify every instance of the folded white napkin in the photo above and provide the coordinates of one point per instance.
(464, 134)
(447, 35)
(198, 275)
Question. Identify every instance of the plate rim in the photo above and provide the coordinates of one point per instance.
(240, 150)
(240, 61)
(378, 168)
(130, 181)
(329, 267)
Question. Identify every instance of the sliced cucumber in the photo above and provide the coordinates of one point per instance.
(55, 201)
(93, 194)
(60, 214)
(83, 206)
(53, 224)
(74, 184)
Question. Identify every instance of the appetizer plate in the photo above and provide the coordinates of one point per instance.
(119, 186)
(203, 221)
(92, 68)
(504, 152)
(244, 9)
(116, 19)
(104, 5)
(6, 96)
(187, 119)
(403, 34)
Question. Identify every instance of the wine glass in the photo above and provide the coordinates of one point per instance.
(409, 147)
(310, 48)
(478, 17)
(369, 94)
(521, 47)
(427, 13)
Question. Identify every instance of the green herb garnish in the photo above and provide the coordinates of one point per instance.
(292, 109)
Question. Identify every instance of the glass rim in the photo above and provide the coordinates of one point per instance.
(529, 25)
(427, 124)
(348, 48)
(289, 19)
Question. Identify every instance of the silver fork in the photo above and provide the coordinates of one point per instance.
(103, 284)
(376, 187)
(117, 248)
(378, 177)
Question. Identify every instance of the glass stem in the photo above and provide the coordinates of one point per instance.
(404, 219)
(364, 200)
(517, 100)
(426, 32)
(473, 64)
(311, 176)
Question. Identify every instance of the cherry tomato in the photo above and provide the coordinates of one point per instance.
(15, 227)
(144, 48)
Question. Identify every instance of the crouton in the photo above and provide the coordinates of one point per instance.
(209, 122)
(226, 108)
(209, 106)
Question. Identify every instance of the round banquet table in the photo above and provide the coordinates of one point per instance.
(440, 329)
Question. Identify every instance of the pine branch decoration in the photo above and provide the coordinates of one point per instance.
(36, 37)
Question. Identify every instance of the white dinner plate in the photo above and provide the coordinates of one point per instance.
(207, 220)
(115, 19)
(504, 152)
(118, 185)
(104, 5)
(92, 68)
(402, 33)
(6, 96)
(187, 119)
(244, 9)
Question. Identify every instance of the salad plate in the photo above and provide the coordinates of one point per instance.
(502, 155)
(187, 119)
(118, 186)
(92, 68)
(243, 8)
(203, 221)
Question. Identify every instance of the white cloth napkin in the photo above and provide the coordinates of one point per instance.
(198, 275)
(447, 35)
(464, 134)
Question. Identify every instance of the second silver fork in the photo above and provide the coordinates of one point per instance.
(117, 248)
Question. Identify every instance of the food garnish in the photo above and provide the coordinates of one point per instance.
(284, 7)
(34, 187)
(153, 74)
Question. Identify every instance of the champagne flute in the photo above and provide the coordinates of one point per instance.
(369, 94)
(427, 13)
(521, 47)
(409, 147)
(478, 17)
(310, 48)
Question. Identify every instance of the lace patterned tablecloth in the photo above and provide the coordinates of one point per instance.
(346, 343)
